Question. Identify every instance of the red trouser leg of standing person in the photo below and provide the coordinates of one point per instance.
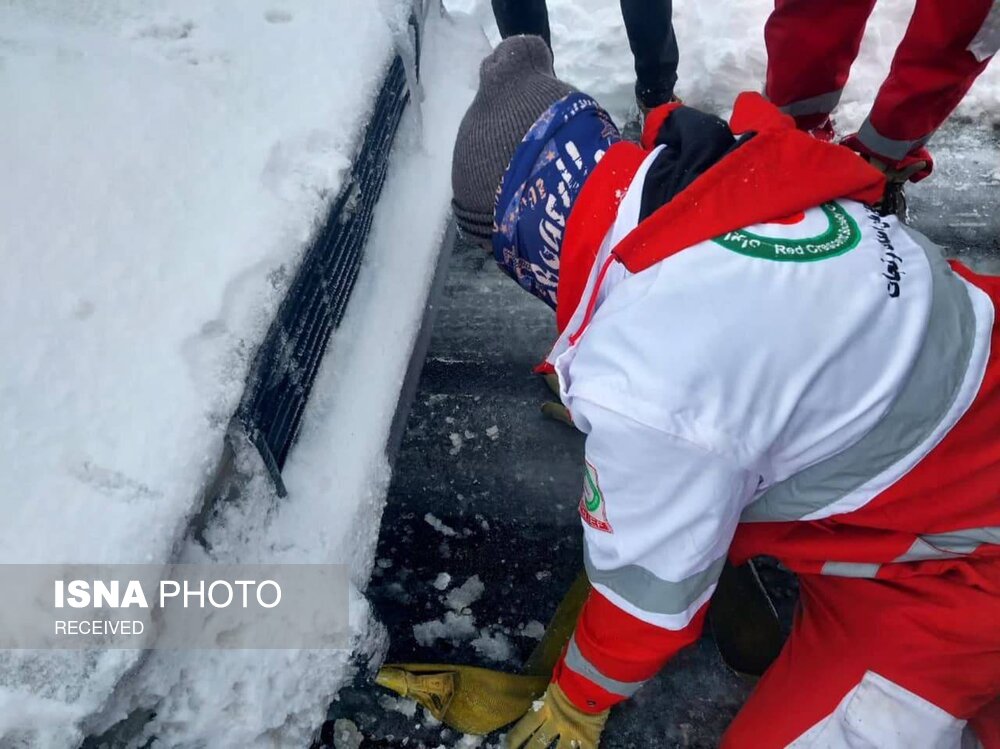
(883, 663)
(810, 47)
(932, 70)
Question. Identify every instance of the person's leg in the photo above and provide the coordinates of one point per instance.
(810, 48)
(946, 46)
(891, 664)
(522, 17)
(650, 30)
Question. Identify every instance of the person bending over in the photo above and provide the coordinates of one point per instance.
(762, 364)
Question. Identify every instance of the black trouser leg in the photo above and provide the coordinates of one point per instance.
(523, 17)
(651, 36)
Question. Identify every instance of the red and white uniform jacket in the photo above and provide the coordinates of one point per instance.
(763, 365)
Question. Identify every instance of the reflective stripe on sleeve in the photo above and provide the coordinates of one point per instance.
(925, 399)
(576, 662)
(651, 594)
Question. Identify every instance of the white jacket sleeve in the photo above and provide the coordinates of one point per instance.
(659, 514)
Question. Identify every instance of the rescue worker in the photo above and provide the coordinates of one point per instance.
(762, 364)
(811, 46)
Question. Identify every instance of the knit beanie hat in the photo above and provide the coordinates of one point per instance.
(516, 85)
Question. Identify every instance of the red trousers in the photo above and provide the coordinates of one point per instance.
(811, 45)
(932, 643)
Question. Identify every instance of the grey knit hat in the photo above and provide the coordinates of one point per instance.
(516, 85)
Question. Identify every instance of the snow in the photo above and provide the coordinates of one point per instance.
(442, 581)
(452, 627)
(177, 164)
(459, 624)
(165, 165)
(468, 741)
(338, 473)
(721, 54)
(346, 735)
(434, 522)
(461, 598)
(494, 646)
(398, 704)
(465, 741)
(533, 629)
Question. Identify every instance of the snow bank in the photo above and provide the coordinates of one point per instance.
(165, 163)
(162, 172)
(337, 473)
(721, 53)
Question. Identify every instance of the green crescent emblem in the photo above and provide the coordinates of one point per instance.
(841, 235)
(592, 493)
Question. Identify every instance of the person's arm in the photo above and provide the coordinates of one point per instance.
(659, 515)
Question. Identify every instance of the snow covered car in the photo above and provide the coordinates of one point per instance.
(191, 192)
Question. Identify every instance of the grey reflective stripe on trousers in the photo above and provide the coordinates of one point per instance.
(986, 42)
(922, 403)
(964, 541)
(576, 662)
(928, 546)
(850, 569)
(649, 593)
(888, 147)
(822, 104)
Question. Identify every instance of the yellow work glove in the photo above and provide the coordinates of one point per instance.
(555, 721)
(554, 409)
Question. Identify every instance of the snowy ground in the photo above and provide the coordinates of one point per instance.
(165, 164)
